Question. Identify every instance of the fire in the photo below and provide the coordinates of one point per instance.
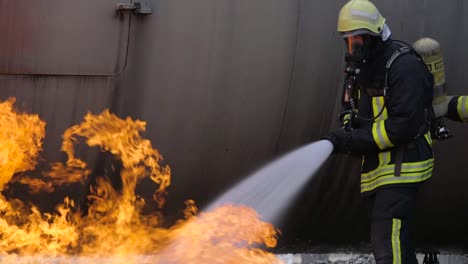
(228, 234)
(122, 138)
(20, 141)
(113, 226)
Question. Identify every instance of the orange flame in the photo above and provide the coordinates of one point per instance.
(122, 138)
(228, 234)
(114, 227)
(20, 141)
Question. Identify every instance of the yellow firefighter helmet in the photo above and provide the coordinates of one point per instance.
(360, 15)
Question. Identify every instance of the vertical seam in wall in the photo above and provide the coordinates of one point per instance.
(291, 76)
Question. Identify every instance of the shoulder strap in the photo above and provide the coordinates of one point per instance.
(429, 112)
(397, 54)
(403, 50)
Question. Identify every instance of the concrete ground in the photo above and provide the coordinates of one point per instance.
(351, 258)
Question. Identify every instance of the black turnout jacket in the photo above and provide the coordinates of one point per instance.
(396, 146)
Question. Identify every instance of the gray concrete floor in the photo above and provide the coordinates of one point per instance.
(350, 258)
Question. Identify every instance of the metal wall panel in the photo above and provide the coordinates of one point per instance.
(62, 37)
(211, 78)
(60, 101)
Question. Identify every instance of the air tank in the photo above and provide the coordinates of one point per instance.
(431, 52)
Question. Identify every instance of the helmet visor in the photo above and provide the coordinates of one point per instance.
(354, 44)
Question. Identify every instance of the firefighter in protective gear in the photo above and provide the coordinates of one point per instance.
(391, 90)
(453, 107)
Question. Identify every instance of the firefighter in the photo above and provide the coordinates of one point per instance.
(388, 95)
(452, 107)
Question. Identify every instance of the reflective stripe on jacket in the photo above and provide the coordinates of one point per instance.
(396, 147)
(458, 109)
(380, 171)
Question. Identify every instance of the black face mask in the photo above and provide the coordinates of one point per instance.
(358, 51)
(358, 54)
(355, 48)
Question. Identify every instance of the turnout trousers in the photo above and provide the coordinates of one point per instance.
(390, 212)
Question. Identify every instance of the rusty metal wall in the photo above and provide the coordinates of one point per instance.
(211, 78)
(62, 37)
(226, 85)
(57, 59)
(60, 101)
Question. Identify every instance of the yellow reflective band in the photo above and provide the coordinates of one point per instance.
(377, 105)
(428, 138)
(396, 248)
(407, 167)
(403, 178)
(385, 114)
(380, 135)
(384, 158)
(462, 108)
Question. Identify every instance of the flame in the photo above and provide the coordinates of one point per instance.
(228, 234)
(58, 175)
(20, 141)
(122, 138)
(113, 226)
(26, 230)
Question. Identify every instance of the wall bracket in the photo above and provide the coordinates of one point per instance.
(139, 7)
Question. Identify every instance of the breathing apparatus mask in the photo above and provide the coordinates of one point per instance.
(355, 49)
(359, 49)
(358, 52)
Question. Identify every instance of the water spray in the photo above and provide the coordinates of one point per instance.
(272, 188)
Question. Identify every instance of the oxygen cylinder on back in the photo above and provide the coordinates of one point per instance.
(431, 52)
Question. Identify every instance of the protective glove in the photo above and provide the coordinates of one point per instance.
(340, 139)
(348, 119)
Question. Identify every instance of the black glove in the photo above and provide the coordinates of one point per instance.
(348, 119)
(340, 139)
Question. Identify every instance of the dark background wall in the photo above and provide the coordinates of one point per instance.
(225, 86)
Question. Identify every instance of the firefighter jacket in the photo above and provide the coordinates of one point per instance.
(458, 108)
(396, 146)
